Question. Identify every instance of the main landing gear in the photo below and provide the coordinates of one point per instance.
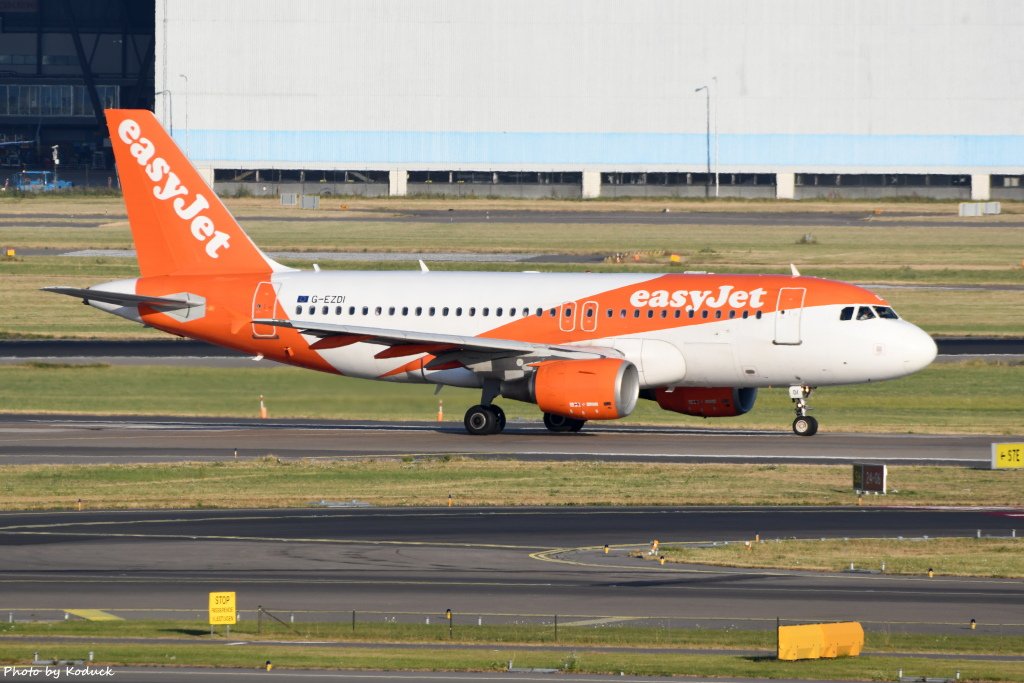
(804, 424)
(560, 423)
(481, 419)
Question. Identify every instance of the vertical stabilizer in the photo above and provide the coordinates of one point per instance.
(178, 224)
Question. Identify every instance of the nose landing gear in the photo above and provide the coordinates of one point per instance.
(804, 424)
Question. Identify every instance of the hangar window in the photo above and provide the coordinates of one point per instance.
(865, 313)
(886, 313)
(846, 313)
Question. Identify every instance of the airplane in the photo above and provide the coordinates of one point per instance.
(581, 346)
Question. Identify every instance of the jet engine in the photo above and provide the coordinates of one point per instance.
(599, 389)
(705, 401)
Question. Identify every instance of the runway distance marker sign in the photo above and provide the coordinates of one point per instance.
(1007, 456)
(222, 608)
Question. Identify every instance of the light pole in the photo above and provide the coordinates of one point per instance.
(707, 137)
(186, 112)
(169, 113)
(718, 100)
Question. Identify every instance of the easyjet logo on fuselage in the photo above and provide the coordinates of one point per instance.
(693, 300)
(167, 185)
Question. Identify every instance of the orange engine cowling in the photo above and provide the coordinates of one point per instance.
(707, 401)
(600, 389)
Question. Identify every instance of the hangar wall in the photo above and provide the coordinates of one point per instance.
(596, 86)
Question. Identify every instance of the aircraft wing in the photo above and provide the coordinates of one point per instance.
(406, 343)
(123, 299)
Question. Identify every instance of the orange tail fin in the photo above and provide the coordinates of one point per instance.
(179, 225)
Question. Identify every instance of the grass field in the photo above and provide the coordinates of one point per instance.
(539, 633)
(947, 556)
(958, 397)
(284, 657)
(882, 250)
(269, 482)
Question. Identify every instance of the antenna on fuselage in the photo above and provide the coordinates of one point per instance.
(796, 273)
(423, 266)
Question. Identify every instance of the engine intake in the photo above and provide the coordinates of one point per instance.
(705, 401)
(600, 389)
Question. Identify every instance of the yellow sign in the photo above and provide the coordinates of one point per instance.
(222, 608)
(1007, 455)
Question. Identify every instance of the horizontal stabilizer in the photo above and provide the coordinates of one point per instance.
(174, 301)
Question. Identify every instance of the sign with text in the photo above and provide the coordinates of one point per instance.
(869, 478)
(222, 608)
(1007, 456)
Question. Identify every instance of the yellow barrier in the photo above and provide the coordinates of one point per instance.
(814, 641)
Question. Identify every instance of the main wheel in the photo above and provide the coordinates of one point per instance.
(499, 418)
(560, 423)
(480, 420)
(805, 425)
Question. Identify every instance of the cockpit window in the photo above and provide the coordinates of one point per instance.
(865, 313)
(886, 313)
(846, 313)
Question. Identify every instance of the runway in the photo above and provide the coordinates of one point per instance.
(35, 439)
(494, 565)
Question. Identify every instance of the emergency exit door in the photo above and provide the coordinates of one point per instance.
(265, 305)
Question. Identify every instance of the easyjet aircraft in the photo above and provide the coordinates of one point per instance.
(580, 346)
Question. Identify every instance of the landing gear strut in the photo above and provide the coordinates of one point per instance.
(560, 423)
(804, 424)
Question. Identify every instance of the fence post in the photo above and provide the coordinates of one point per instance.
(259, 619)
(556, 628)
(353, 621)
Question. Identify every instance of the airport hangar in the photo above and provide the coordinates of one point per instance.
(795, 99)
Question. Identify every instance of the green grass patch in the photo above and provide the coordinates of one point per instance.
(271, 482)
(995, 557)
(876, 667)
(611, 635)
(958, 397)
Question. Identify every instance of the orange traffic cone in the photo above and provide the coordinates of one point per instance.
(263, 408)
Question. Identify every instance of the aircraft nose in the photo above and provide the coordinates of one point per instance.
(918, 349)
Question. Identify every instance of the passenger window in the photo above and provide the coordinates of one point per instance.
(337, 310)
(391, 310)
(636, 312)
(846, 313)
(732, 314)
(690, 313)
(865, 313)
(609, 313)
(486, 311)
(568, 313)
(419, 310)
(458, 311)
(324, 310)
(472, 311)
(378, 311)
(886, 313)
(298, 310)
(758, 315)
(704, 314)
(553, 312)
(678, 313)
(540, 312)
(622, 313)
(650, 313)
(351, 310)
(444, 311)
(746, 314)
(366, 310)
(664, 313)
(497, 312)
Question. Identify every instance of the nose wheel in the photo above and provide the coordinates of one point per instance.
(481, 420)
(804, 424)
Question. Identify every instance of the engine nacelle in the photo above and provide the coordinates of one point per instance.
(600, 389)
(706, 402)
